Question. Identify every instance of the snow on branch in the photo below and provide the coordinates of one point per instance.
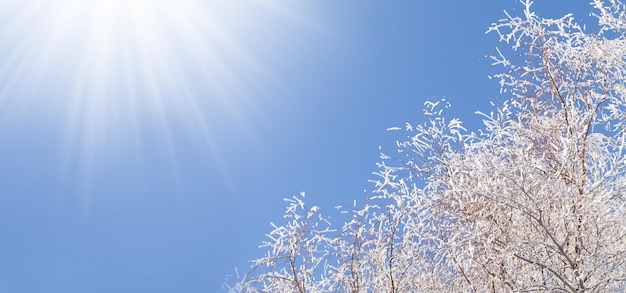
(534, 201)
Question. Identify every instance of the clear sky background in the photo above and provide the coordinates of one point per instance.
(146, 145)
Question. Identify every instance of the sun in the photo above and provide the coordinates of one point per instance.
(114, 77)
(106, 67)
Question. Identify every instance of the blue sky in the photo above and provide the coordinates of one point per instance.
(146, 145)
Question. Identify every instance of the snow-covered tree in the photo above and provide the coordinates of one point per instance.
(534, 201)
(296, 253)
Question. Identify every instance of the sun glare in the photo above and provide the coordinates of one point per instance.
(113, 77)
(117, 80)
(105, 66)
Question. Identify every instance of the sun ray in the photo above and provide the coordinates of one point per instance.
(105, 72)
